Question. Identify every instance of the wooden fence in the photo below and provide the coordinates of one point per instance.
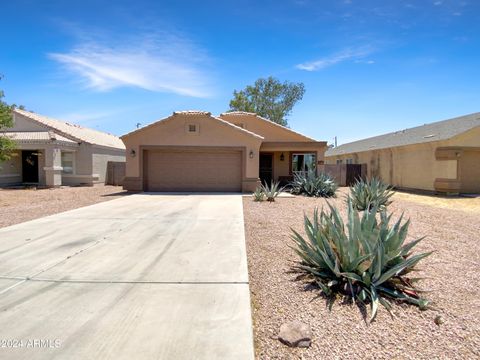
(346, 174)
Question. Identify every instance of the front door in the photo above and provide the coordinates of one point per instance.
(266, 168)
(30, 166)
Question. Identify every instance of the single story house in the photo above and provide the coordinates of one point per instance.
(196, 151)
(53, 153)
(442, 156)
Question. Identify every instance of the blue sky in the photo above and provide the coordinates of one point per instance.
(369, 67)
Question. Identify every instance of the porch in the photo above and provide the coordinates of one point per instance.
(279, 162)
(41, 159)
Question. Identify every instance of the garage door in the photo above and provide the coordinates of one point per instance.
(200, 170)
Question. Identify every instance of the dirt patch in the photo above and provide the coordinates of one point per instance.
(469, 204)
(19, 205)
(452, 273)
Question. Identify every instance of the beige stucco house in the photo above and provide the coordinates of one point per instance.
(196, 151)
(443, 156)
(53, 153)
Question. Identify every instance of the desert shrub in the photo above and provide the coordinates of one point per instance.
(311, 184)
(258, 194)
(368, 194)
(271, 191)
(369, 263)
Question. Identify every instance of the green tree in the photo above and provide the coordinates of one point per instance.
(268, 98)
(6, 120)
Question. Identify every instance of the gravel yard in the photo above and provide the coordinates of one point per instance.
(19, 205)
(452, 271)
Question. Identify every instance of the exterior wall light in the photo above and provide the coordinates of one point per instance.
(282, 157)
(251, 154)
(133, 153)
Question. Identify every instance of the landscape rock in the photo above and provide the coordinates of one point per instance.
(295, 334)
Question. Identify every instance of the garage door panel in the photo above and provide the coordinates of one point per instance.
(214, 170)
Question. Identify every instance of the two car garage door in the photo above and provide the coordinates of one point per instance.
(193, 170)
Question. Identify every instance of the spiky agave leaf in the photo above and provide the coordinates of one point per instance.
(366, 254)
(272, 190)
(258, 194)
(370, 194)
(313, 185)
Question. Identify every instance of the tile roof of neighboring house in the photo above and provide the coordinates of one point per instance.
(441, 130)
(196, 113)
(192, 112)
(37, 137)
(75, 132)
(243, 113)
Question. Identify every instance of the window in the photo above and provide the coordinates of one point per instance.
(192, 128)
(67, 162)
(339, 161)
(349, 161)
(303, 162)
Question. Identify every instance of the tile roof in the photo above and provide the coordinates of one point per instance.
(238, 113)
(192, 112)
(244, 113)
(196, 113)
(74, 132)
(441, 130)
(37, 137)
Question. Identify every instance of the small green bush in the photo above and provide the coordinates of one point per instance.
(369, 194)
(258, 195)
(271, 191)
(368, 263)
(311, 184)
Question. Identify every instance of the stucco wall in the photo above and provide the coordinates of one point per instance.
(91, 164)
(413, 166)
(469, 138)
(173, 132)
(100, 158)
(11, 170)
(470, 171)
(21, 123)
(281, 168)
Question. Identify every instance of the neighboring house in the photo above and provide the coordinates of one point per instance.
(52, 152)
(196, 151)
(443, 156)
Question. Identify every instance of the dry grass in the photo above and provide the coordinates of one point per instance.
(452, 271)
(19, 205)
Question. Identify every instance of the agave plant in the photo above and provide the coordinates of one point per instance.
(311, 184)
(271, 191)
(369, 194)
(258, 194)
(369, 262)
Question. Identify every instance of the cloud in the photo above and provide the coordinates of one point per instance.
(344, 55)
(159, 62)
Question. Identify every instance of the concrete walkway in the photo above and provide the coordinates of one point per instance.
(142, 277)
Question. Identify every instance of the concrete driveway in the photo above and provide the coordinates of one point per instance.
(142, 277)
